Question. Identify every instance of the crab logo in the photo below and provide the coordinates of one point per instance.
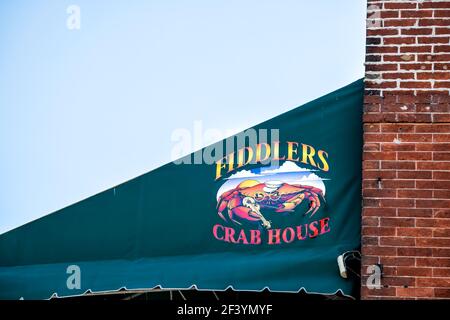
(248, 195)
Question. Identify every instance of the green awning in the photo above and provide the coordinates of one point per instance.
(273, 213)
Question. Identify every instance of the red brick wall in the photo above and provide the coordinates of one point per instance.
(406, 167)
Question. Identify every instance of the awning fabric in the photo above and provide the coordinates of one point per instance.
(228, 223)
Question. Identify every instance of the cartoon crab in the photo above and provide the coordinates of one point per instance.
(245, 201)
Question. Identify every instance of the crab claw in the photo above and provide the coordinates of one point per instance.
(314, 204)
(250, 203)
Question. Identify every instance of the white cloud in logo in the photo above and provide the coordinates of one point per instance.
(288, 166)
(243, 174)
(312, 180)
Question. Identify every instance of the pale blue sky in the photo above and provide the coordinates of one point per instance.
(82, 111)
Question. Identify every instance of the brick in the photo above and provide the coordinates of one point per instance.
(432, 203)
(383, 32)
(417, 31)
(398, 281)
(414, 271)
(378, 231)
(368, 165)
(375, 137)
(369, 202)
(430, 184)
(371, 108)
(442, 13)
(380, 212)
(442, 31)
(441, 272)
(400, 5)
(433, 40)
(399, 40)
(414, 232)
(433, 108)
(441, 137)
(380, 156)
(399, 58)
(433, 57)
(432, 128)
(414, 175)
(367, 260)
(441, 175)
(415, 193)
(442, 292)
(398, 261)
(400, 128)
(416, 49)
(437, 223)
(370, 221)
(369, 241)
(414, 252)
(379, 250)
(435, 165)
(434, 22)
(413, 212)
(433, 242)
(403, 23)
(415, 292)
(424, 96)
(416, 13)
(400, 184)
(381, 49)
(441, 194)
(389, 14)
(413, 156)
(441, 213)
(441, 48)
(398, 147)
(400, 165)
(442, 66)
(443, 156)
(441, 252)
(379, 193)
(397, 222)
(434, 5)
(442, 84)
(369, 92)
(372, 127)
(382, 67)
(401, 75)
(441, 117)
(413, 117)
(371, 147)
(397, 107)
(433, 282)
(441, 233)
(441, 98)
(413, 137)
(373, 58)
(384, 292)
(415, 84)
(433, 75)
(415, 66)
(397, 241)
(372, 117)
(433, 262)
